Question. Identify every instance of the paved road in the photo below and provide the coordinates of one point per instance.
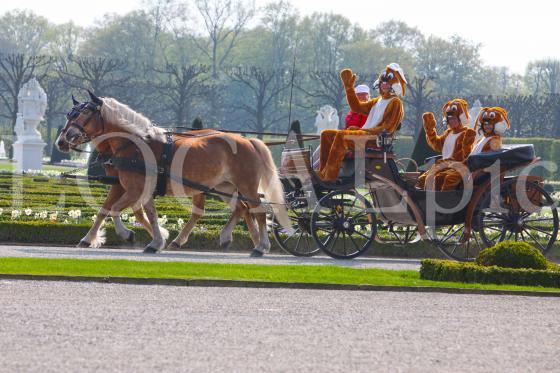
(69, 327)
(198, 256)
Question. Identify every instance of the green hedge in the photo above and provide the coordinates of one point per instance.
(446, 270)
(70, 234)
(512, 254)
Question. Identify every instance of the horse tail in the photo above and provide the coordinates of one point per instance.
(271, 186)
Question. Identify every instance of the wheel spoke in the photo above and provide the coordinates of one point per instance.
(534, 240)
(537, 229)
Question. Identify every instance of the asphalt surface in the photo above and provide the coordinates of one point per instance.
(79, 327)
(200, 256)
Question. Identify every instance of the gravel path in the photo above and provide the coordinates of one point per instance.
(69, 327)
(199, 256)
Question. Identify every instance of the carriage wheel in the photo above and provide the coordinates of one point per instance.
(397, 234)
(535, 222)
(300, 243)
(343, 224)
(451, 241)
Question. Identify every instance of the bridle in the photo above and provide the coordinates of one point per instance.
(75, 113)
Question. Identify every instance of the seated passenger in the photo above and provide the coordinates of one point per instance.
(491, 124)
(357, 120)
(455, 145)
(384, 113)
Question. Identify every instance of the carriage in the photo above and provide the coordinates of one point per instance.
(375, 201)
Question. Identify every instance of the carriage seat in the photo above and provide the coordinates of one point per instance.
(510, 156)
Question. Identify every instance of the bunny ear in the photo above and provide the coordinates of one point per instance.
(504, 115)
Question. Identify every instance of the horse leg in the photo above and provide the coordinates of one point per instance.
(226, 236)
(95, 237)
(122, 231)
(197, 212)
(251, 226)
(158, 242)
(263, 245)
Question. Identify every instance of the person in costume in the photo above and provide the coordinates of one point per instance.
(491, 124)
(384, 113)
(455, 145)
(358, 119)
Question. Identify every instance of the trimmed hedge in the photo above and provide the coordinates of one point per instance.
(512, 254)
(446, 270)
(70, 234)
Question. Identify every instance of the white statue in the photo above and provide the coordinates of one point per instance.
(2, 150)
(326, 119)
(28, 148)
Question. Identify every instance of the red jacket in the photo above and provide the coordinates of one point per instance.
(355, 119)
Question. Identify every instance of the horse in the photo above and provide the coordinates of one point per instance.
(227, 163)
(96, 236)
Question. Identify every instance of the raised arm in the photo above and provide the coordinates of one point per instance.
(348, 80)
(432, 138)
(394, 114)
(468, 142)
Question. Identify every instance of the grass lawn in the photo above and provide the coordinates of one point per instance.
(251, 272)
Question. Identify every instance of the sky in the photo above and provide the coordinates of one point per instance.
(511, 33)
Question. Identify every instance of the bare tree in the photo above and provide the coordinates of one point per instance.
(16, 70)
(551, 69)
(98, 74)
(181, 84)
(264, 89)
(223, 21)
(417, 99)
(325, 88)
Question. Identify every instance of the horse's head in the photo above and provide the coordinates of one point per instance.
(83, 123)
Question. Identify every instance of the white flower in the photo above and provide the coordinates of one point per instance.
(28, 211)
(163, 220)
(132, 219)
(16, 214)
(75, 214)
(43, 214)
(124, 217)
(53, 216)
(180, 222)
(1, 210)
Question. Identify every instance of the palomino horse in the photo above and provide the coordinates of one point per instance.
(225, 162)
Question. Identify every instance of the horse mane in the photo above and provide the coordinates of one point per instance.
(129, 120)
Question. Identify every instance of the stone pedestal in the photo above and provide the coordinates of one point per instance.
(28, 148)
(29, 156)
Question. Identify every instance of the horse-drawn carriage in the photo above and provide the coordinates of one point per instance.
(375, 201)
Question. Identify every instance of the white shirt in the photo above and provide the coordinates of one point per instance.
(480, 145)
(449, 145)
(377, 111)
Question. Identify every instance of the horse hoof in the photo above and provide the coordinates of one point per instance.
(130, 238)
(83, 244)
(225, 245)
(173, 246)
(150, 250)
(256, 254)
